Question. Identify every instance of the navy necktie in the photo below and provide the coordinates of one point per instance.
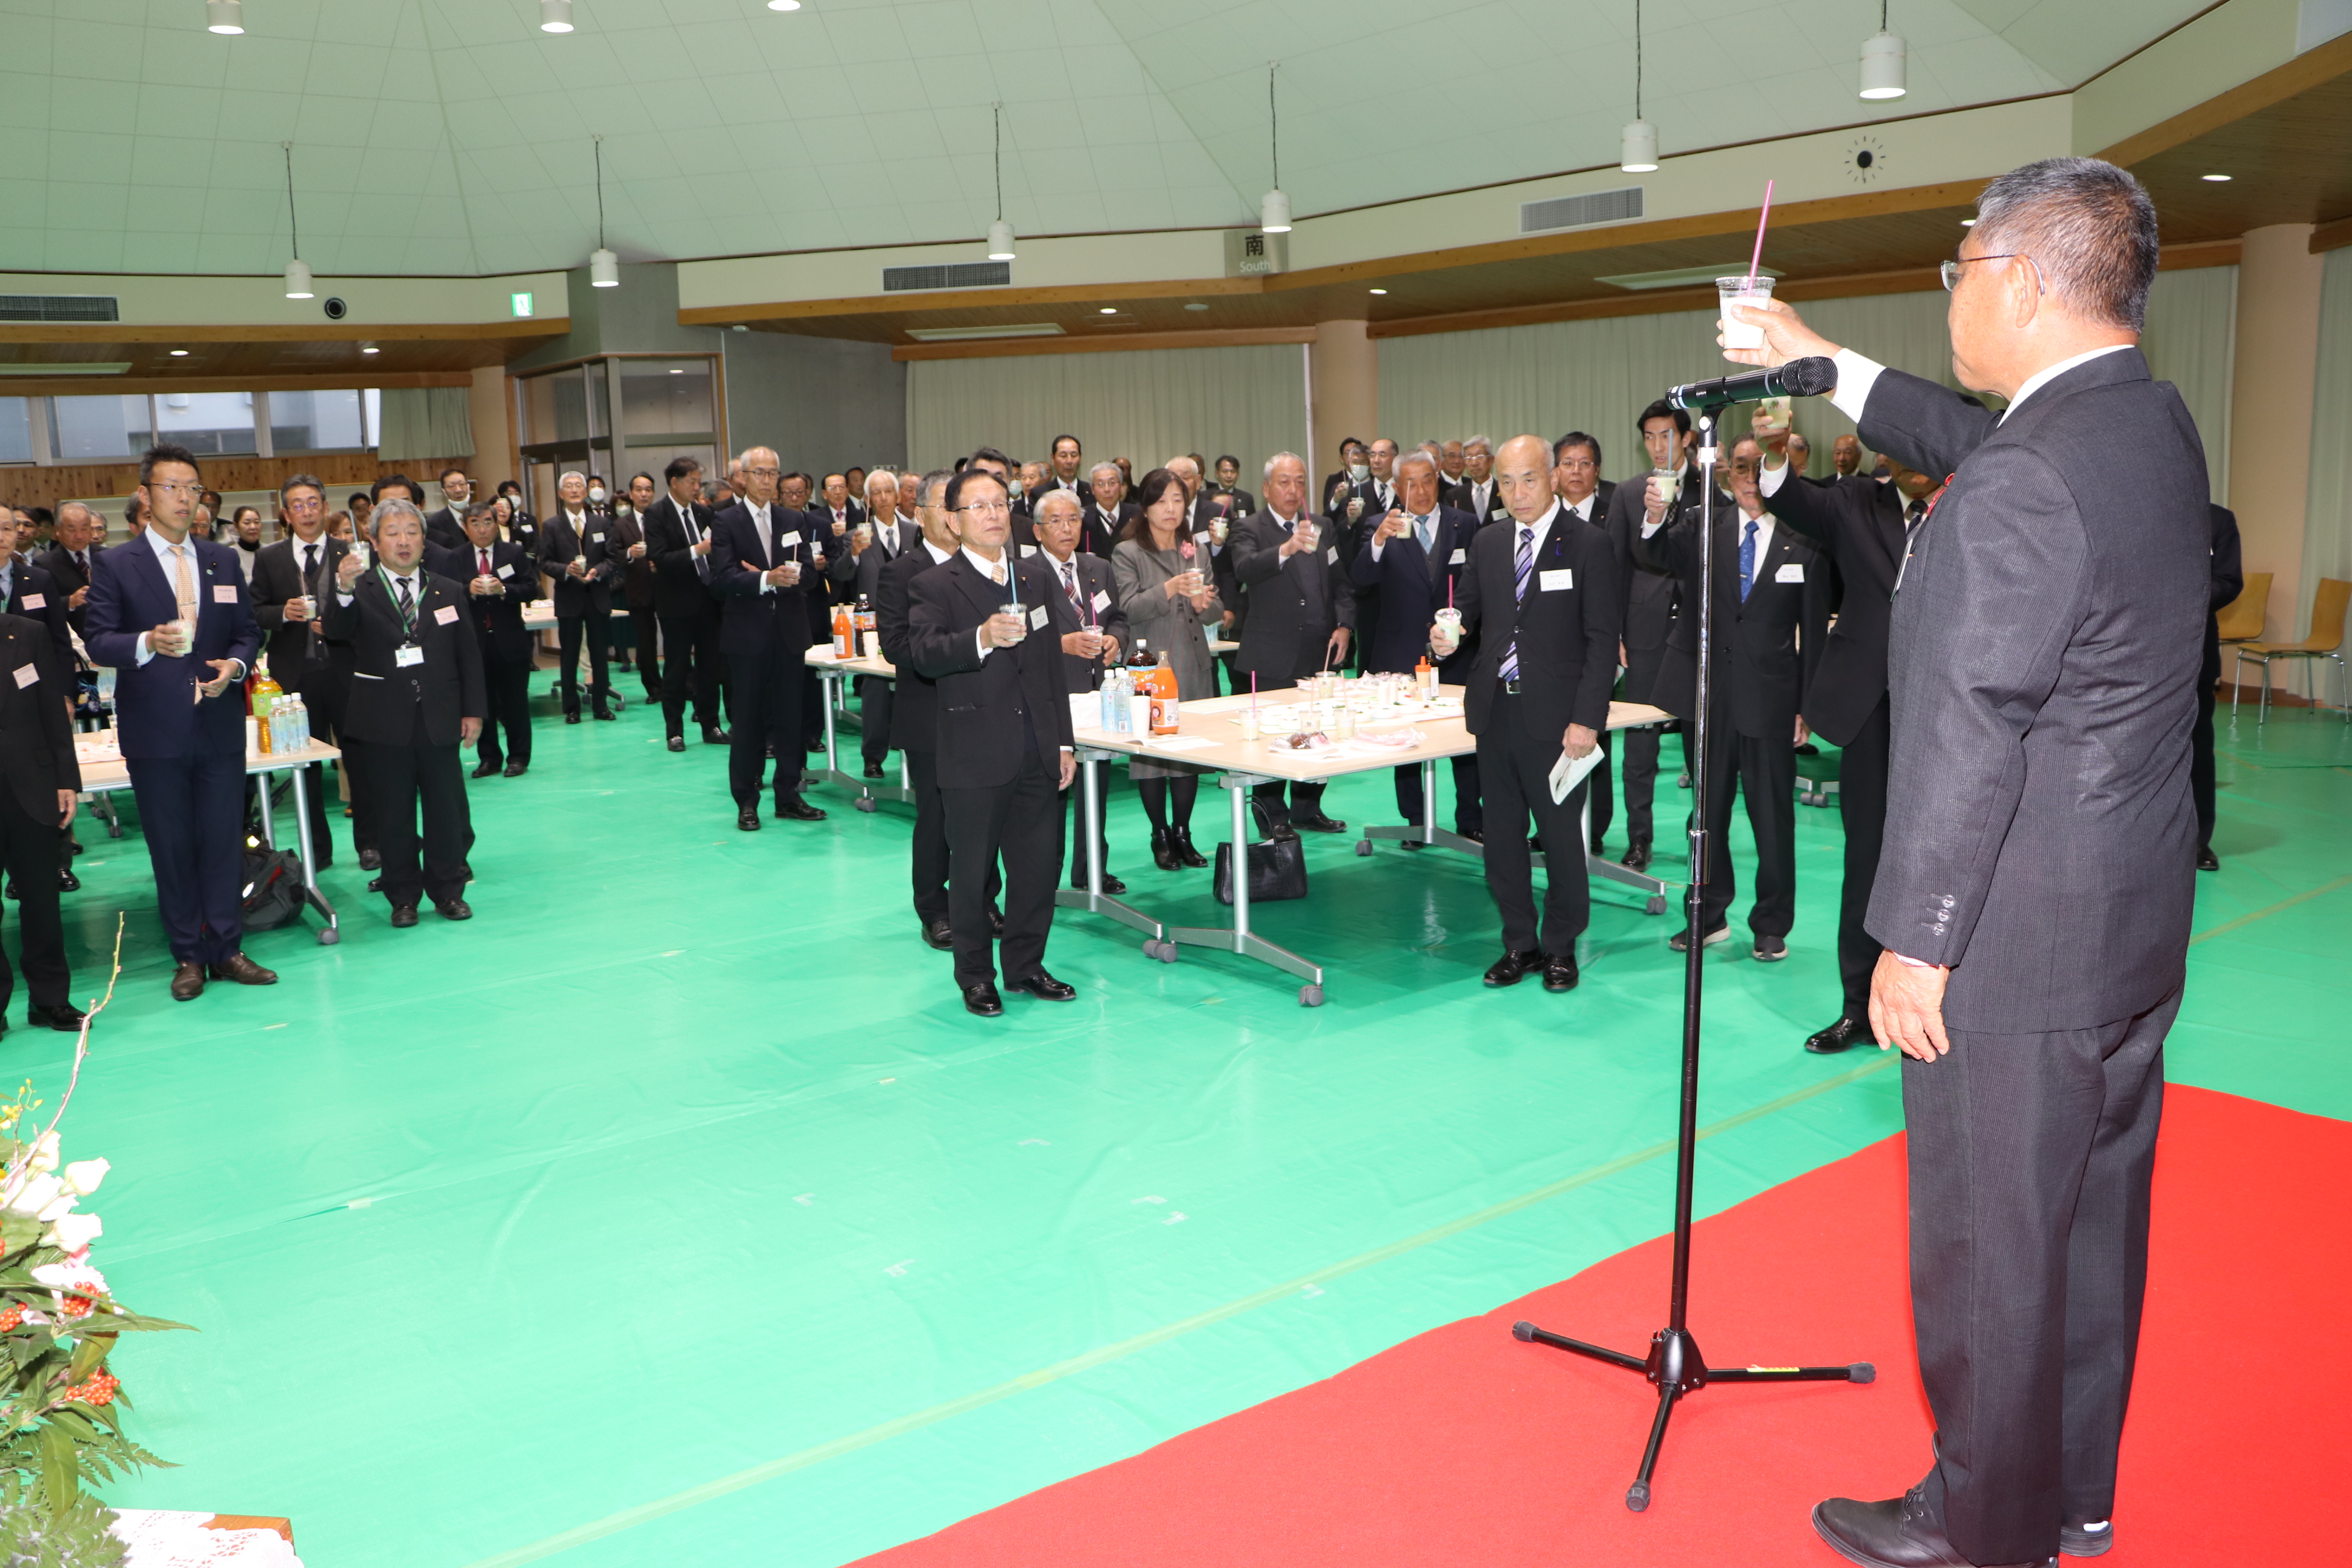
(1747, 560)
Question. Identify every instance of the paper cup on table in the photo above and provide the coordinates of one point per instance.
(1741, 290)
(1249, 723)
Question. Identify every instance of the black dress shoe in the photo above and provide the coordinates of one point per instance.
(2206, 859)
(1512, 967)
(1164, 849)
(995, 922)
(937, 934)
(1315, 822)
(1840, 1035)
(2088, 1539)
(748, 819)
(1180, 840)
(65, 1017)
(187, 982)
(486, 770)
(370, 860)
(244, 971)
(874, 769)
(76, 845)
(1044, 987)
(982, 1000)
(402, 916)
(456, 909)
(606, 713)
(797, 811)
(677, 742)
(1559, 973)
(571, 718)
(1412, 843)
(69, 883)
(516, 770)
(1111, 884)
(1637, 855)
(1901, 1532)
(376, 884)
(712, 735)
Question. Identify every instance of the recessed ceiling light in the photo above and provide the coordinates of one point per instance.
(2219, 179)
(1110, 310)
(179, 353)
(368, 348)
(675, 370)
(1380, 290)
(783, 4)
(224, 17)
(555, 15)
(1195, 305)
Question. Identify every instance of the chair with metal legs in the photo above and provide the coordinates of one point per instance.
(2240, 621)
(2325, 641)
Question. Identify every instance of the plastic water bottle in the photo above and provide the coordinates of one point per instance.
(301, 713)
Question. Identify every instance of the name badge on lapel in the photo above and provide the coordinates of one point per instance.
(223, 593)
(34, 602)
(1553, 581)
(1790, 571)
(447, 616)
(786, 543)
(506, 571)
(1037, 619)
(26, 674)
(1331, 556)
(1499, 514)
(597, 539)
(1027, 551)
(405, 656)
(1101, 601)
(1457, 558)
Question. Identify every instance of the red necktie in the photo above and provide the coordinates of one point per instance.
(486, 563)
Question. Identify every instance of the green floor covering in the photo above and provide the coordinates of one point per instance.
(673, 1211)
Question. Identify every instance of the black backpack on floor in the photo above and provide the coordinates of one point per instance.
(273, 887)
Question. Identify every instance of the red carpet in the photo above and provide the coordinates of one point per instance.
(1465, 1447)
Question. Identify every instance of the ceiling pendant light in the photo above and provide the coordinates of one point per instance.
(224, 17)
(1274, 208)
(555, 15)
(1637, 144)
(999, 233)
(1882, 61)
(298, 275)
(783, 4)
(604, 267)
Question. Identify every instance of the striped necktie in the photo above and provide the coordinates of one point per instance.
(1521, 569)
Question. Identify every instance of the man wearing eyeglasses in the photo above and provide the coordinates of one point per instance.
(290, 581)
(170, 614)
(979, 626)
(763, 563)
(2036, 885)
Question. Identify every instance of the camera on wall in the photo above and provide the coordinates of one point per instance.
(335, 307)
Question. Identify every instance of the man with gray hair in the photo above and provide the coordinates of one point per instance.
(2034, 892)
(1475, 494)
(873, 546)
(1107, 510)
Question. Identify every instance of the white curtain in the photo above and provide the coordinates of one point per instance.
(2190, 341)
(1142, 404)
(1598, 376)
(426, 422)
(2327, 516)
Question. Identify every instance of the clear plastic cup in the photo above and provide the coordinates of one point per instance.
(1740, 291)
(1019, 611)
(1249, 723)
(1451, 619)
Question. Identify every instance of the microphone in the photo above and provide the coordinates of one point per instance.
(1798, 378)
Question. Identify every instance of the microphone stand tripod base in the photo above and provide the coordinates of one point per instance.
(1674, 1363)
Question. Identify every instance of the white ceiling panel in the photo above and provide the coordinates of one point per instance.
(453, 136)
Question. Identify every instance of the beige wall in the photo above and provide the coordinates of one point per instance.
(491, 414)
(2270, 409)
(1344, 392)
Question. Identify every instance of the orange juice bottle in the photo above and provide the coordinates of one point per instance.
(844, 638)
(1163, 696)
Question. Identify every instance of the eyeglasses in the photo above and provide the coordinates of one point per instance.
(164, 486)
(987, 509)
(1951, 269)
(762, 473)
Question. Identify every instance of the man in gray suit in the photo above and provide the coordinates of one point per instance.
(2034, 894)
(1301, 613)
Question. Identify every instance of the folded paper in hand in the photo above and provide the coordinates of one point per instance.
(1569, 771)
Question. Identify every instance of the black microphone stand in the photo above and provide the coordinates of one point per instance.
(1674, 1363)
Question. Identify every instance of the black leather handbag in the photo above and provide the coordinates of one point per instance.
(1277, 869)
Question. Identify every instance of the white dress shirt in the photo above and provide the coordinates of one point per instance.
(166, 557)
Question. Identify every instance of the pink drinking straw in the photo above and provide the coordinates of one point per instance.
(1761, 218)
(1253, 693)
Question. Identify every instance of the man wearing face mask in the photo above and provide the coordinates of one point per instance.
(1346, 486)
(579, 558)
(445, 529)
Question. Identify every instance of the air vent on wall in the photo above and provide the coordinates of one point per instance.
(955, 275)
(59, 308)
(1577, 212)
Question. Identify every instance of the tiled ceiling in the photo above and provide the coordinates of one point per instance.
(454, 137)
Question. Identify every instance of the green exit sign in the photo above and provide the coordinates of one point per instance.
(521, 303)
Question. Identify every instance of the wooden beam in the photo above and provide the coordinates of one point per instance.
(2334, 235)
(964, 299)
(1019, 348)
(333, 381)
(546, 327)
(2306, 71)
(2202, 253)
